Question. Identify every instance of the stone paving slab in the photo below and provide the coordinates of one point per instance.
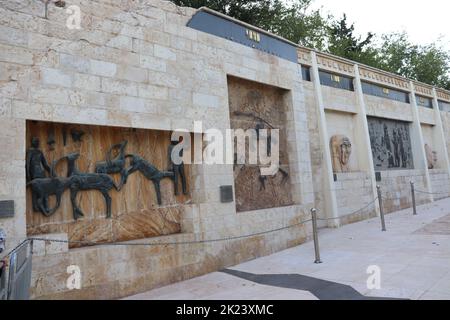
(413, 256)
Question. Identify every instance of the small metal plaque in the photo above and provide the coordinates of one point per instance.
(226, 194)
(6, 209)
(378, 176)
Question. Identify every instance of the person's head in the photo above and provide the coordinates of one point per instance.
(35, 142)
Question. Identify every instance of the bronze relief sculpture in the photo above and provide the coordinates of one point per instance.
(177, 169)
(43, 186)
(116, 165)
(341, 150)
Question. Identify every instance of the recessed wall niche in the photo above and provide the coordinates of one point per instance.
(258, 106)
(434, 157)
(94, 157)
(391, 144)
(341, 131)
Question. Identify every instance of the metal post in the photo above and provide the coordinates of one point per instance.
(380, 201)
(413, 197)
(315, 235)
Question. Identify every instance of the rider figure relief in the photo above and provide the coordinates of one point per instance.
(177, 169)
(36, 162)
(36, 165)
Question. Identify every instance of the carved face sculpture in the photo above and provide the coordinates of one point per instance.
(2, 240)
(346, 151)
(431, 157)
(341, 149)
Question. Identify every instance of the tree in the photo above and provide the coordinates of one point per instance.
(291, 21)
(427, 63)
(295, 21)
(344, 43)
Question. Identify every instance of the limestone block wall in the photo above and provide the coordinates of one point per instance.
(340, 123)
(385, 108)
(339, 99)
(440, 183)
(445, 116)
(396, 189)
(135, 64)
(353, 192)
(426, 116)
(316, 151)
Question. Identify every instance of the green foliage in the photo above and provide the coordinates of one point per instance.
(291, 21)
(295, 21)
(429, 63)
(344, 43)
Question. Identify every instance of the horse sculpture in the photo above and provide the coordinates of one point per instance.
(116, 165)
(149, 171)
(80, 181)
(42, 188)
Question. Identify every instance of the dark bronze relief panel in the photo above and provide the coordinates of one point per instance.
(102, 184)
(391, 144)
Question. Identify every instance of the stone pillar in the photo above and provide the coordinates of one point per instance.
(440, 143)
(327, 167)
(418, 143)
(363, 137)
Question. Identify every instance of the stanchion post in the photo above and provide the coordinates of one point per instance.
(413, 197)
(380, 201)
(315, 235)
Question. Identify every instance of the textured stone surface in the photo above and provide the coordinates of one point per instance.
(253, 105)
(135, 212)
(413, 265)
(135, 64)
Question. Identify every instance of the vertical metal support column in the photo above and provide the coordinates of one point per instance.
(315, 235)
(380, 201)
(413, 197)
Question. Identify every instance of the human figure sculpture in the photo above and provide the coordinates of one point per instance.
(431, 157)
(177, 169)
(36, 162)
(341, 149)
(36, 166)
(387, 143)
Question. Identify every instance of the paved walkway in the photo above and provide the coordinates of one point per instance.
(413, 257)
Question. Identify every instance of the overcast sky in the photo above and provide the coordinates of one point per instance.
(424, 21)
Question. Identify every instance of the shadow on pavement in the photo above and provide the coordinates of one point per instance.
(322, 289)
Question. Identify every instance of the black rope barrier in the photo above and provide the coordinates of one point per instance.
(350, 214)
(89, 243)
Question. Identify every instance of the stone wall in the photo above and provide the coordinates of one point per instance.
(445, 116)
(440, 183)
(396, 189)
(316, 151)
(385, 108)
(257, 107)
(135, 212)
(135, 64)
(354, 192)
